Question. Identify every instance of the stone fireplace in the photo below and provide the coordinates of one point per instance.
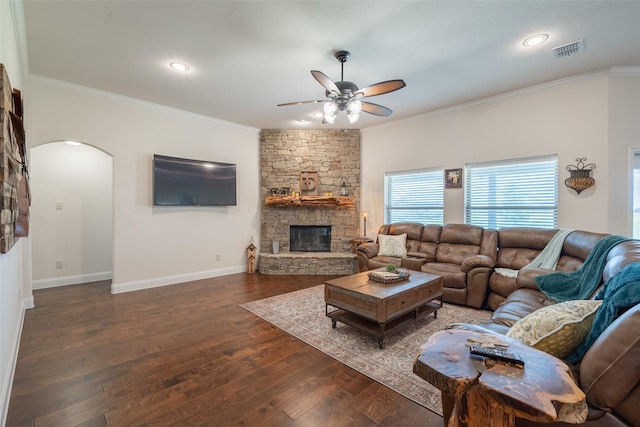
(335, 156)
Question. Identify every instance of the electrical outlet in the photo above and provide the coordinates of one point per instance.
(59, 264)
(217, 257)
(59, 206)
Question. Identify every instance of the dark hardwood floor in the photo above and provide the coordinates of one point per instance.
(186, 355)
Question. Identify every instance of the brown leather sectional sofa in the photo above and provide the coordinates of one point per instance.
(464, 255)
(609, 373)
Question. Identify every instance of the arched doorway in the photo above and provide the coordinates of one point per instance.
(71, 214)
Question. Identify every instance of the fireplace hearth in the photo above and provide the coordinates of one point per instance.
(310, 238)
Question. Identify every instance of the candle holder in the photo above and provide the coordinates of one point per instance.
(364, 217)
(580, 178)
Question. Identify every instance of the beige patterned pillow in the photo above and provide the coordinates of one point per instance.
(557, 329)
(393, 245)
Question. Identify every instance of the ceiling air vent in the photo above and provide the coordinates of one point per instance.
(569, 48)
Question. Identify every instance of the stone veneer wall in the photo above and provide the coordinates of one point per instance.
(335, 155)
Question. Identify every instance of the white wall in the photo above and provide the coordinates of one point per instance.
(570, 118)
(15, 293)
(155, 246)
(624, 134)
(71, 214)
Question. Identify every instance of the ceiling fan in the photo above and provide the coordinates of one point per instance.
(345, 96)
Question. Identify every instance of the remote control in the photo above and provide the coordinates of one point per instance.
(497, 354)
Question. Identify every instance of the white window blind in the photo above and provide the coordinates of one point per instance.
(414, 196)
(512, 193)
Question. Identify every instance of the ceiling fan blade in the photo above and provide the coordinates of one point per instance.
(376, 109)
(325, 81)
(299, 103)
(382, 87)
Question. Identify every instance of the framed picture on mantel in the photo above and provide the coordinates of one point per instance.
(309, 183)
(453, 178)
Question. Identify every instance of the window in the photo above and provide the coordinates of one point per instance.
(636, 194)
(513, 193)
(414, 196)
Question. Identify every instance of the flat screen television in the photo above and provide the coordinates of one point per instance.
(184, 182)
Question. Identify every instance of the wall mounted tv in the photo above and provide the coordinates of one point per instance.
(184, 182)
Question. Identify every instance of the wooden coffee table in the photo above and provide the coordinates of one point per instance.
(378, 308)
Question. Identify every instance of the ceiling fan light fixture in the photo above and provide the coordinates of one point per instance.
(345, 96)
(330, 118)
(353, 117)
(330, 107)
(355, 106)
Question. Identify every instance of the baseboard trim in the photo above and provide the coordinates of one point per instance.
(28, 303)
(71, 280)
(5, 393)
(117, 288)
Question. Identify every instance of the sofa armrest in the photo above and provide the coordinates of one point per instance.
(365, 252)
(369, 249)
(413, 263)
(476, 261)
(418, 255)
(527, 277)
(610, 370)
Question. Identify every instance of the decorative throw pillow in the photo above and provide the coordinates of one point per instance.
(557, 329)
(393, 245)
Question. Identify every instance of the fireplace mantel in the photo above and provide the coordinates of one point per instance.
(289, 201)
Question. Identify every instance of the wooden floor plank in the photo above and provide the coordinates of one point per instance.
(186, 355)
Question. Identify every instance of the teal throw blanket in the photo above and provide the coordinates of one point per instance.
(579, 284)
(620, 292)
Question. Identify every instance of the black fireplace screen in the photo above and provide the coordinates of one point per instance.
(310, 238)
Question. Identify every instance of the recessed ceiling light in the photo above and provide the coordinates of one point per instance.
(179, 66)
(73, 143)
(318, 115)
(535, 40)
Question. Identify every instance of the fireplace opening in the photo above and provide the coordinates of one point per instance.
(310, 238)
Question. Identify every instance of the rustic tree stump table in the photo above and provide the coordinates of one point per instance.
(479, 392)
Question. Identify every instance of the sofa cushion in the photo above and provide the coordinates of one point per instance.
(413, 231)
(395, 246)
(519, 304)
(557, 329)
(429, 241)
(452, 275)
(457, 242)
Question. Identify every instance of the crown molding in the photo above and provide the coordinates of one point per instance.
(20, 32)
(625, 71)
(620, 71)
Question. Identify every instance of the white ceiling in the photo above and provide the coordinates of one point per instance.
(248, 56)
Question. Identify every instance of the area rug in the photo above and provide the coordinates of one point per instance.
(302, 314)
